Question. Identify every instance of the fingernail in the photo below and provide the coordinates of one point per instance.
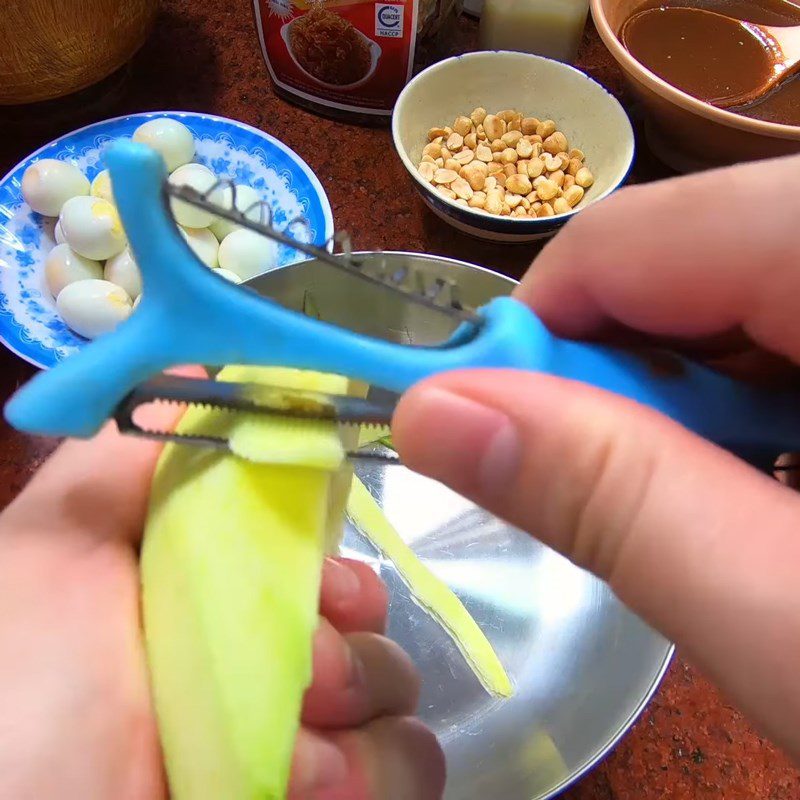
(472, 447)
(356, 673)
(342, 585)
(318, 765)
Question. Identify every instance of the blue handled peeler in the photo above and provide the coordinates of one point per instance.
(190, 315)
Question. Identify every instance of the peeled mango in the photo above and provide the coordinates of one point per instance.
(231, 564)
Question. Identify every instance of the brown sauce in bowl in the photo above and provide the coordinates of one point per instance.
(710, 58)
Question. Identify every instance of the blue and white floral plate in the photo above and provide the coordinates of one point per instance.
(29, 324)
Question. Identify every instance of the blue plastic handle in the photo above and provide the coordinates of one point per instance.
(190, 315)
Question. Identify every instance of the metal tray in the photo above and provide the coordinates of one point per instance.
(584, 667)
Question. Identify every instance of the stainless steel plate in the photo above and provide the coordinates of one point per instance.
(583, 666)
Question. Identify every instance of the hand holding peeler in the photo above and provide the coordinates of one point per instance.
(190, 315)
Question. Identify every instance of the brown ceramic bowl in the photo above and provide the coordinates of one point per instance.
(684, 132)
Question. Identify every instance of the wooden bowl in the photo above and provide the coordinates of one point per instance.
(683, 131)
(52, 48)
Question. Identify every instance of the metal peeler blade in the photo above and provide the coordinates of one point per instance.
(253, 399)
(436, 294)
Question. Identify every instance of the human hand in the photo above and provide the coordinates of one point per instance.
(77, 722)
(701, 545)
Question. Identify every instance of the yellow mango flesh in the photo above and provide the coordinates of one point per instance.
(231, 565)
(432, 594)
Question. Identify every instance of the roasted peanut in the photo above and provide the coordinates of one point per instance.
(529, 125)
(519, 184)
(455, 141)
(427, 170)
(547, 190)
(509, 156)
(461, 188)
(554, 143)
(545, 211)
(584, 177)
(524, 148)
(551, 163)
(462, 125)
(505, 164)
(545, 128)
(494, 127)
(561, 206)
(444, 176)
(478, 116)
(573, 195)
(494, 201)
(477, 200)
(535, 167)
(511, 138)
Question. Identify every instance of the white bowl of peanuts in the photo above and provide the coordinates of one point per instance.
(508, 146)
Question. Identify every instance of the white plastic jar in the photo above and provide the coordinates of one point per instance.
(550, 28)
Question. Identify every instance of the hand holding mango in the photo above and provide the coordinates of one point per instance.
(78, 721)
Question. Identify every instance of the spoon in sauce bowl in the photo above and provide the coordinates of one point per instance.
(718, 59)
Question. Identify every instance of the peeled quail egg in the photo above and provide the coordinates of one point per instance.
(48, 184)
(247, 253)
(92, 227)
(201, 179)
(228, 275)
(170, 138)
(246, 196)
(93, 307)
(64, 266)
(203, 243)
(124, 271)
(101, 186)
(58, 233)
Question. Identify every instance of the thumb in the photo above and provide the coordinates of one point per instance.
(698, 543)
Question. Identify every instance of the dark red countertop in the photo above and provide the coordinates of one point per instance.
(204, 56)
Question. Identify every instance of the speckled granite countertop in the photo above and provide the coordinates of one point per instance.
(204, 56)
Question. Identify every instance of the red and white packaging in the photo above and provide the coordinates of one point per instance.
(341, 55)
